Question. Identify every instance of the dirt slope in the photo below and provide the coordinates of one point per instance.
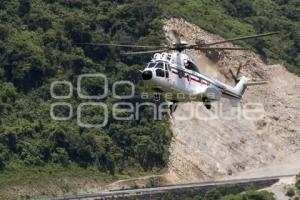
(208, 149)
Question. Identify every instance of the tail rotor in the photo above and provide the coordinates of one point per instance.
(236, 77)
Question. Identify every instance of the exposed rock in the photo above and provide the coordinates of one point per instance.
(204, 149)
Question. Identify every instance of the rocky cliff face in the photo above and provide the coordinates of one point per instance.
(208, 144)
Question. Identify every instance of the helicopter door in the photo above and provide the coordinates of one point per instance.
(169, 74)
(159, 71)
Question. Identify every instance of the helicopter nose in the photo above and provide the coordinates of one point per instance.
(147, 75)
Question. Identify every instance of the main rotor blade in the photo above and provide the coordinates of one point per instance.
(120, 45)
(218, 48)
(145, 52)
(242, 38)
(175, 37)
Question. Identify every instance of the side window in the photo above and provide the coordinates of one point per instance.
(160, 72)
(192, 66)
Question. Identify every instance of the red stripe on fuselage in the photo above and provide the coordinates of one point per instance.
(205, 83)
(193, 79)
(231, 95)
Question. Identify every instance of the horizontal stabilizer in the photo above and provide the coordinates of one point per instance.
(244, 82)
(261, 82)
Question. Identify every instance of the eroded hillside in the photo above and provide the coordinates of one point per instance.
(204, 149)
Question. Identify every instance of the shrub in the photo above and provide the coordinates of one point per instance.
(298, 184)
(290, 192)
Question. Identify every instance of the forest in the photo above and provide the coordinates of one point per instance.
(38, 47)
(39, 44)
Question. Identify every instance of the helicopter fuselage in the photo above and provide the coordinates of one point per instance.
(177, 78)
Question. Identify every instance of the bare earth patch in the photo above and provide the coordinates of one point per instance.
(208, 149)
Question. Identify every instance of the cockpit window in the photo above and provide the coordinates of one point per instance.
(150, 65)
(160, 65)
(191, 66)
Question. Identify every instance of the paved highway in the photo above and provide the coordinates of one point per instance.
(265, 181)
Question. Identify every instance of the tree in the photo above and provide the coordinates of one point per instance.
(8, 93)
(239, 8)
(298, 184)
(3, 32)
(24, 7)
(60, 156)
(213, 194)
(3, 156)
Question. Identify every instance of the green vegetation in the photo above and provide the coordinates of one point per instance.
(251, 195)
(294, 192)
(230, 192)
(37, 45)
(290, 192)
(298, 181)
(297, 185)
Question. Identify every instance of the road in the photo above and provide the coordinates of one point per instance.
(263, 182)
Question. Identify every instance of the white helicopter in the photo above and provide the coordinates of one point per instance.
(173, 73)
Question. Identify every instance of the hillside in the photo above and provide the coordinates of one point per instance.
(204, 149)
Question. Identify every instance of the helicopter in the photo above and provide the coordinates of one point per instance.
(173, 73)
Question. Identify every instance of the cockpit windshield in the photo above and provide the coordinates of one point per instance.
(160, 65)
(150, 65)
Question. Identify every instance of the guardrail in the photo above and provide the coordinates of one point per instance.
(154, 192)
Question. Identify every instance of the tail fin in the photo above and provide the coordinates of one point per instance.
(244, 82)
(241, 86)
